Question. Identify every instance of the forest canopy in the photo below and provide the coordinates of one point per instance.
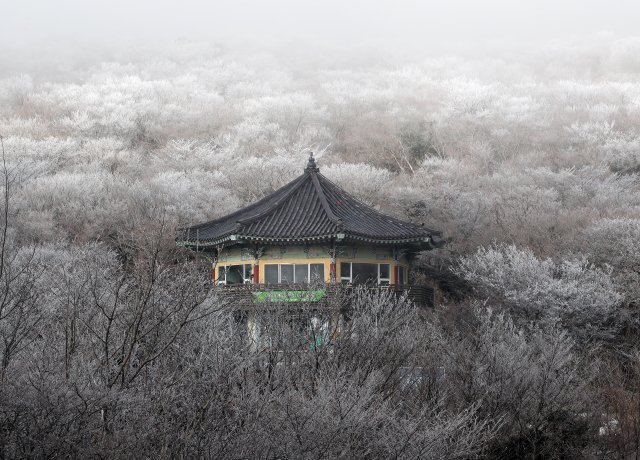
(528, 163)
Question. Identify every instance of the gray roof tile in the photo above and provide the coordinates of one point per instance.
(308, 208)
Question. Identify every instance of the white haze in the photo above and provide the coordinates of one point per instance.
(402, 26)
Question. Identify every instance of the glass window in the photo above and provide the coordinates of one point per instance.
(383, 274)
(317, 273)
(235, 274)
(302, 273)
(293, 273)
(345, 272)
(271, 273)
(286, 274)
(364, 273)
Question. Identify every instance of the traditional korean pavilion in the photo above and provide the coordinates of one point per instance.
(310, 231)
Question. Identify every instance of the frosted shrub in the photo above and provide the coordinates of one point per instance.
(195, 197)
(257, 177)
(617, 242)
(365, 182)
(532, 380)
(574, 292)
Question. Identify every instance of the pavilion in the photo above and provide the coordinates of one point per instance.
(310, 231)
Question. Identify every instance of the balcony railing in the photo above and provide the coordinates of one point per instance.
(264, 296)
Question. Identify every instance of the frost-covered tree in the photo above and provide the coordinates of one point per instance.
(528, 165)
(574, 292)
(365, 182)
(534, 382)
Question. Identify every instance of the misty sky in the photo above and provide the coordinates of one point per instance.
(430, 24)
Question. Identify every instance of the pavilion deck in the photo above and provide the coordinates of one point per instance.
(317, 296)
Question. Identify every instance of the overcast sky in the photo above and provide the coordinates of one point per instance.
(442, 23)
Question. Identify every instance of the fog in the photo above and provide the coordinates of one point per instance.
(401, 26)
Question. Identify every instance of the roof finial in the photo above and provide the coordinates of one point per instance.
(311, 165)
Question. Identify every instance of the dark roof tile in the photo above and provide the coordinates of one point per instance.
(309, 207)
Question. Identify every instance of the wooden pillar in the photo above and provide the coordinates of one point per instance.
(256, 272)
(332, 265)
(255, 275)
(395, 267)
(214, 265)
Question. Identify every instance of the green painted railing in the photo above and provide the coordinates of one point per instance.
(289, 295)
(247, 296)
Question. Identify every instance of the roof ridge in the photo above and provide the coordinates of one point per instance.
(323, 200)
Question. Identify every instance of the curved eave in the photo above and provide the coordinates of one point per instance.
(425, 242)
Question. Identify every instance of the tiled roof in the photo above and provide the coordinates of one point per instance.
(310, 208)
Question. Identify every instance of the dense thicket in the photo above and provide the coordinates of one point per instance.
(111, 342)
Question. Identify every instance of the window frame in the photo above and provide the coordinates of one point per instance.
(293, 265)
(245, 270)
(379, 281)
